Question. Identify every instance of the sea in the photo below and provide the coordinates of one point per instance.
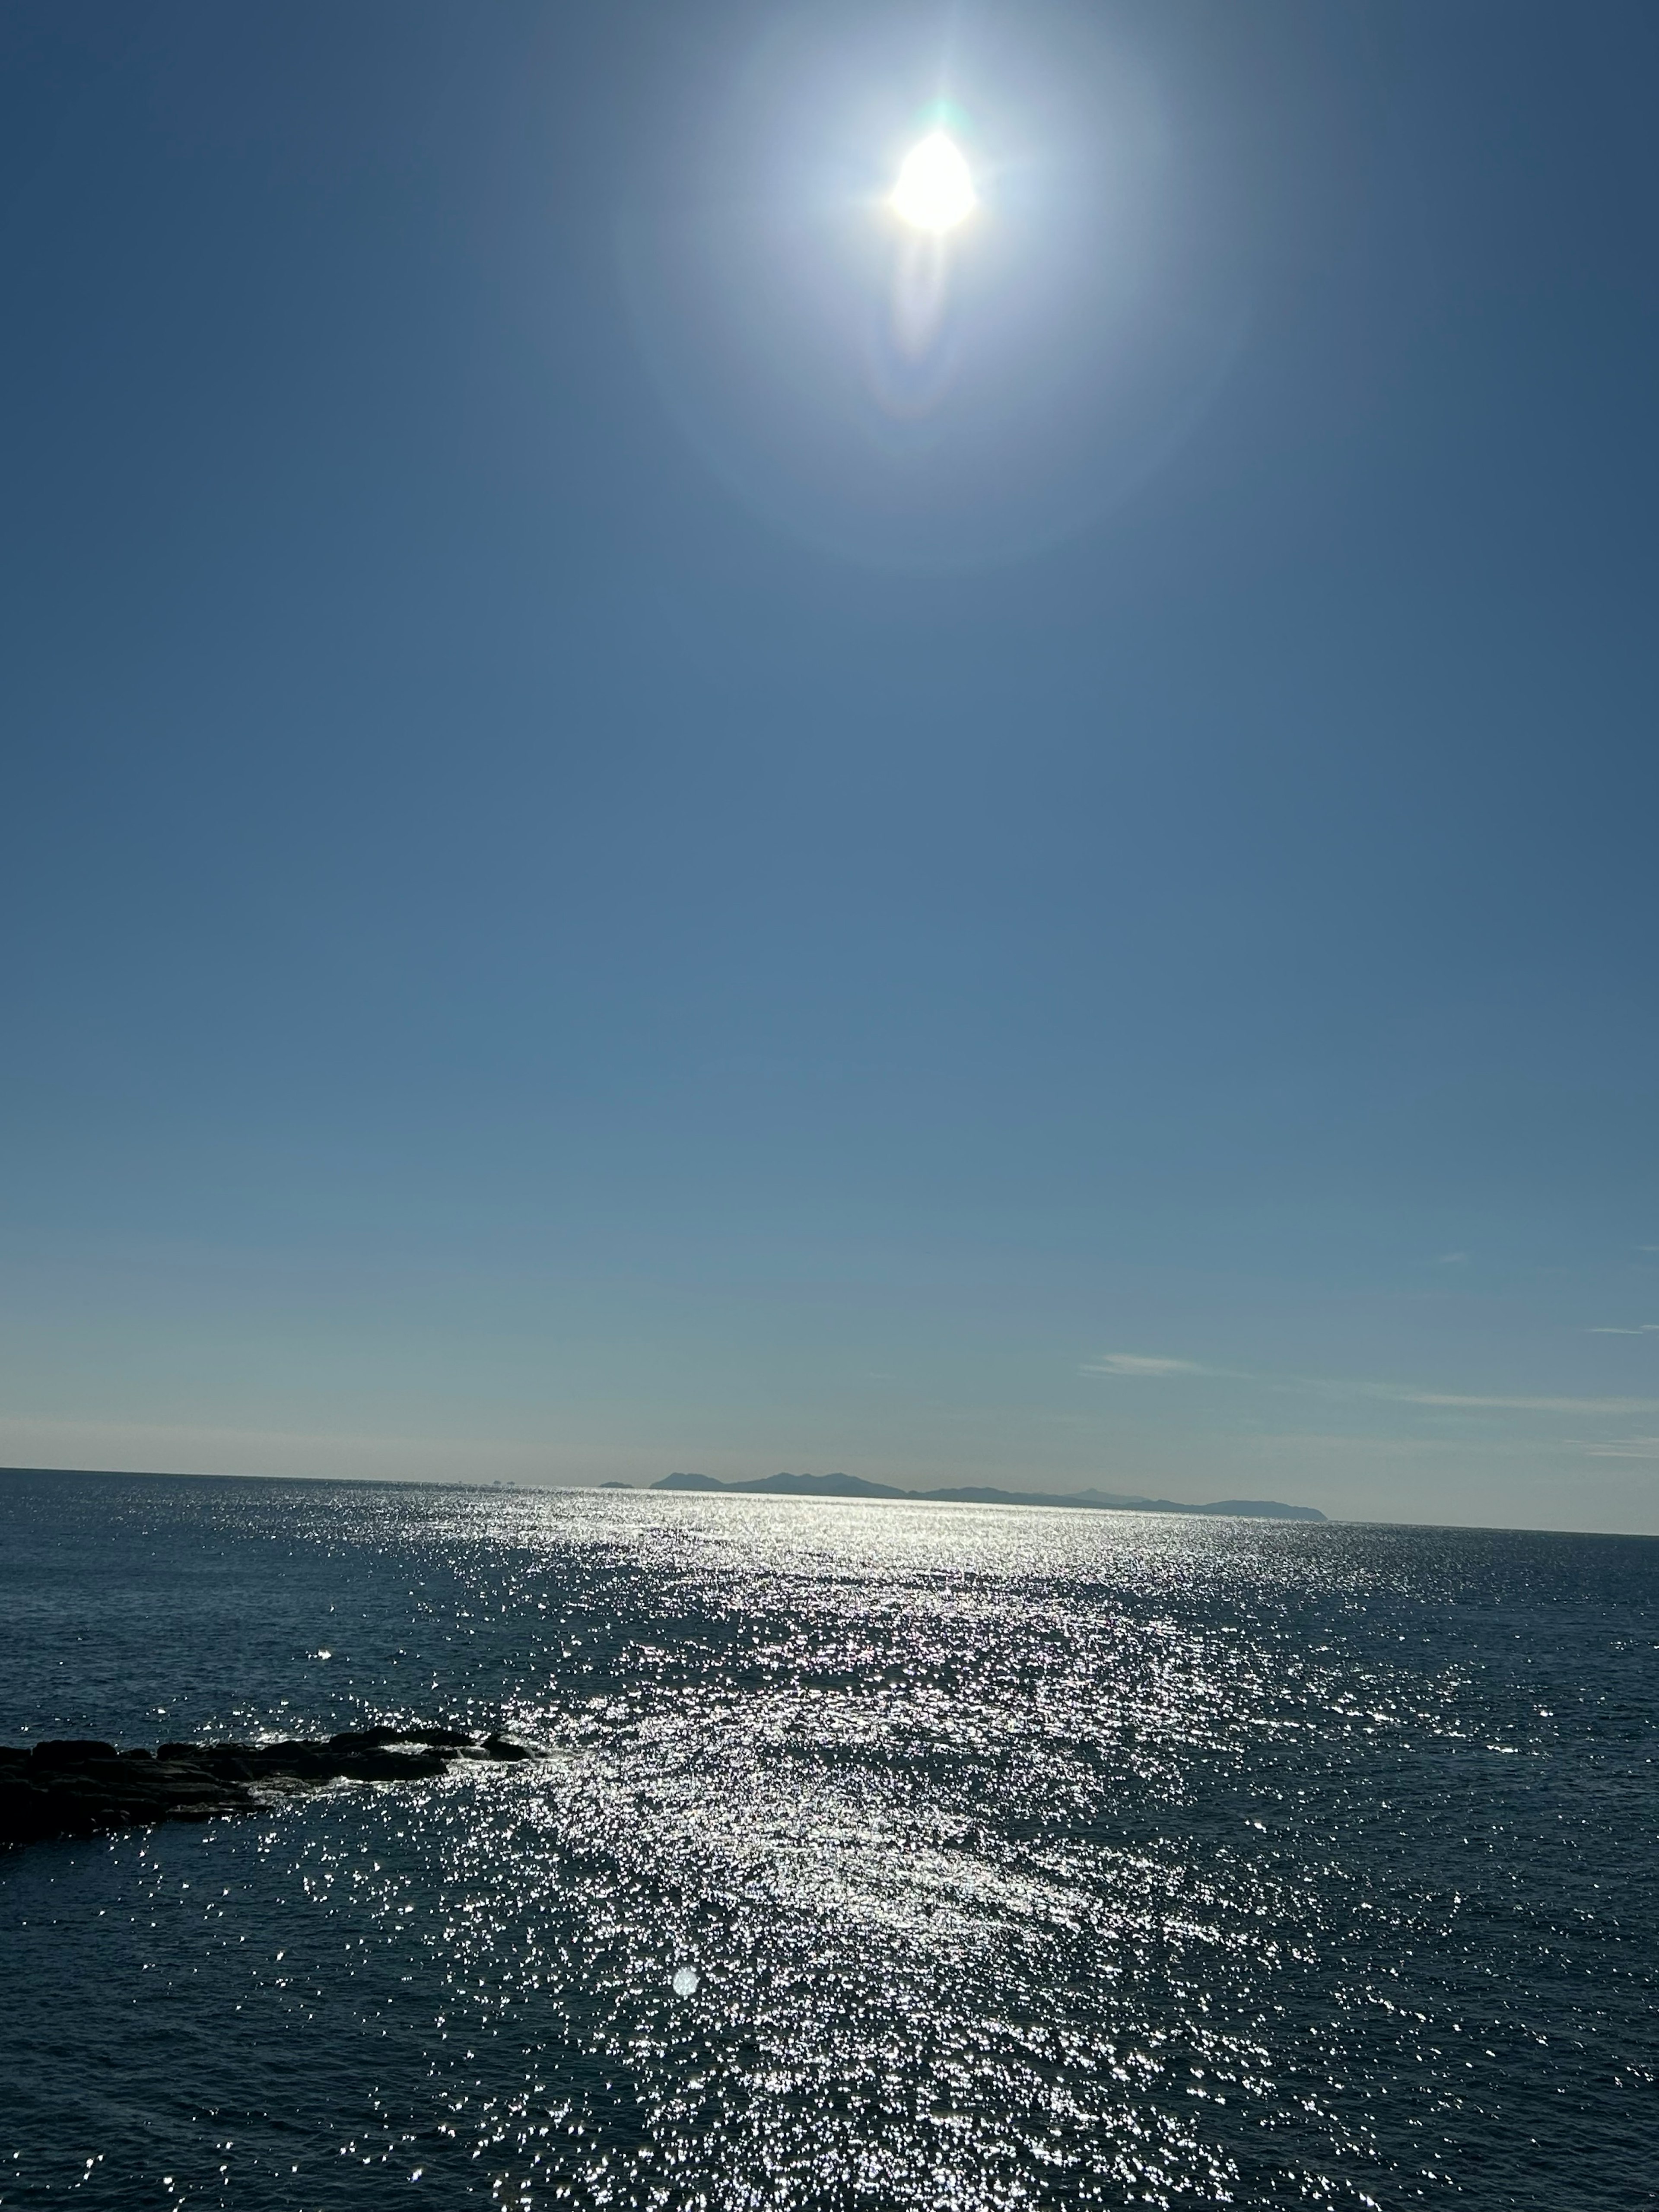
(885, 1855)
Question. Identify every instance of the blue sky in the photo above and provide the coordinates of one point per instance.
(600, 875)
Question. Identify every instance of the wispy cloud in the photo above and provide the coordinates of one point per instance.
(1140, 1363)
(1453, 1259)
(1626, 1447)
(1403, 1395)
(1641, 1329)
(1147, 1365)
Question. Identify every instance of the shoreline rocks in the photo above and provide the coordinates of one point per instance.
(81, 1786)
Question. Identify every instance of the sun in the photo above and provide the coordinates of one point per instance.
(935, 188)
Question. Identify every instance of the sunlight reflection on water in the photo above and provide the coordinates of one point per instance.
(888, 1854)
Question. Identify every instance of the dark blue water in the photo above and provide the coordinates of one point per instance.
(890, 1856)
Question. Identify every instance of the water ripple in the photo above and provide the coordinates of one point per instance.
(887, 1856)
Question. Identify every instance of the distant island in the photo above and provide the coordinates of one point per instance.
(969, 1494)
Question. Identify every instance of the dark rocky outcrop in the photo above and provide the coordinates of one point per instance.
(79, 1786)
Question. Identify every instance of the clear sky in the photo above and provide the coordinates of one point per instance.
(643, 829)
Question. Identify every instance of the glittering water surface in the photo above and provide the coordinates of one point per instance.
(890, 1856)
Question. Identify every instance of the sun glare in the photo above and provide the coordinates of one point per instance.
(935, 188)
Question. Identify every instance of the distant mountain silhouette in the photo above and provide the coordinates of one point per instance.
(969, 1494)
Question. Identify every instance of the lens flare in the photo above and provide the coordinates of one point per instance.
(935, 188)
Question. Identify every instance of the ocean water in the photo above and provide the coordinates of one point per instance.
(888, 1856)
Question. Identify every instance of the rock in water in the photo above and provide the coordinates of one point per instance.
(80, 1786)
